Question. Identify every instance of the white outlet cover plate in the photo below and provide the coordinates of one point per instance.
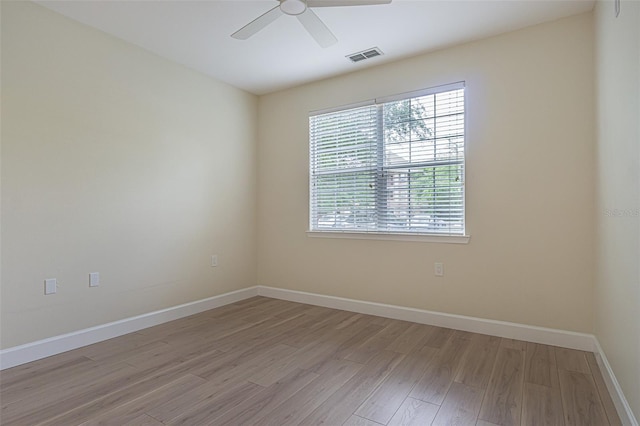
(94, 279)
(50, 286)
(439, 269)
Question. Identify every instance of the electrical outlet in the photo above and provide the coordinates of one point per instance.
(50, 286)
(94, 279)
(214, 260)
(439, 269)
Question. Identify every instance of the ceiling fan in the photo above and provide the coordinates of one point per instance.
(301, 10)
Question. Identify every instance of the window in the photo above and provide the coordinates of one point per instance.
(394, 165)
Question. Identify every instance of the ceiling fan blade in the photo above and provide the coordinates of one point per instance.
(317, 28)
(334, 3)
(257, 24)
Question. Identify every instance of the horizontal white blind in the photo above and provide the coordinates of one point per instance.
(391, 167)
(343, 168)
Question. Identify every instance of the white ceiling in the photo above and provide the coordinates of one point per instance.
(197, 33)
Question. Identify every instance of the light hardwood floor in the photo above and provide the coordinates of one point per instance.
(270, 362)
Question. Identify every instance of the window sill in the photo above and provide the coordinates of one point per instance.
(392, 236)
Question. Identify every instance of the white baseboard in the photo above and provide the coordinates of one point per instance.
(619, 400)
(587, 342)
(54, 345)
(547, 336)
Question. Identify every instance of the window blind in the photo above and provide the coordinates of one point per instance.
(395, 165)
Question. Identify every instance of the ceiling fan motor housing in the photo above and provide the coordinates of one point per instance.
(293, 7)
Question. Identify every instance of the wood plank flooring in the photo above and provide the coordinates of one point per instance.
(264, 361)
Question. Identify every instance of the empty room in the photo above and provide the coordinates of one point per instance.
(320, 212)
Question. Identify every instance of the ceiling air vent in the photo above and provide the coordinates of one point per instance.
(365, 54)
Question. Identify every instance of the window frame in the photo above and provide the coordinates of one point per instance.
(379, 234)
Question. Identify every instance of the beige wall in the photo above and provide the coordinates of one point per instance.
(617, 287)
(117, 161)
(530, 178)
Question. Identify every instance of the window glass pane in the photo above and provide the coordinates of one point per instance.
(451, 102)
(346, 201)
(447, 126)
(427, 199)
(344, 140)
(406, 120)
